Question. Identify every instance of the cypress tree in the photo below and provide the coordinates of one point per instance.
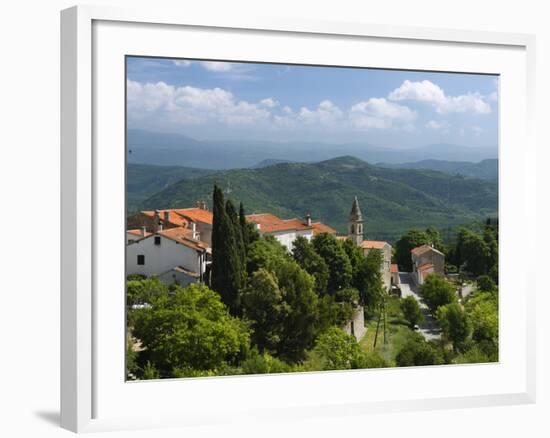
(244, 228)
(239, 241)
(227, 270)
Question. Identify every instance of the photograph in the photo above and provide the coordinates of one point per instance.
(285, 218)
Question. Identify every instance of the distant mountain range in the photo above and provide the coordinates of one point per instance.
(392, 200)
(485, 169)
(175, 149)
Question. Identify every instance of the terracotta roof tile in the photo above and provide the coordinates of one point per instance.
(319, 227)
(425, 267)
(373, 244)
(183, 236)
(138, 232)
(269, 223)
(196, 214)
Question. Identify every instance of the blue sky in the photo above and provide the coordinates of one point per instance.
(250, 101)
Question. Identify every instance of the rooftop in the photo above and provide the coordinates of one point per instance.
(373, 244)
(269, 223)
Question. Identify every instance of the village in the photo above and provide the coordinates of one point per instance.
(175, 246)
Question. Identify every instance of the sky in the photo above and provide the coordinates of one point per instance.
(217, 100)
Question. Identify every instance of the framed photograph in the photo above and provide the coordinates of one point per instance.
(271, 218)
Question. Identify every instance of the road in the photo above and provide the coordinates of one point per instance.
(428, 328)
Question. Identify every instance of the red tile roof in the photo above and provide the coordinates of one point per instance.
(196, 214)
(422, 249)
(394, 268)
(183, 236)
(269, 223)
(173, 217)
(319, 227)
(373, 244)
(138, 232)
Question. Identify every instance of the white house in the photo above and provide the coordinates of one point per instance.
(287, 230)
(173, 254)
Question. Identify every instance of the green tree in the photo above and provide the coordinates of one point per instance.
(336, 350)
(367, 280)
(473, 252)
(266, 252)
(437, 291)
(416, 351)
(355, 254)
(245, 229)
(144, 290)
(263, 363)
(190, 329)
(227, 276)
(301, 324)
(485, 283)
(264, 306)
(454, 324)
(411, 311)
(339, 265)
(305, 255)
(239, 240)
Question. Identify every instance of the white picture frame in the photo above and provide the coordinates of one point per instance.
(91, 181)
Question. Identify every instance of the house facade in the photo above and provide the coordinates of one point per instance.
(426, 260)
(172, 255)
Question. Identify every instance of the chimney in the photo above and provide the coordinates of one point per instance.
(166, 218)
(143, 231)
(308, 220)
(257, 226)
(193, 227)
(156, 221)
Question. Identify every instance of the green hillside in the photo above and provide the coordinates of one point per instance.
(392, 200)
(143, 180)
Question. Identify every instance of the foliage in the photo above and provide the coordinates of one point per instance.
(437, 291)
(263, 363)
(472, 252)
(228, 274)
(485, 283)
(190, 329)
(339, 265)
(483, 310)
(264, 305)
(411, 311)
(454, 323)
(336, 350)
(144, 290)
(266, 252)
(367, 279)
(150, 372)
(306, 256)
(416, 351)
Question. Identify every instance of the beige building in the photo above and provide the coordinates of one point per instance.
(355, 233)
(426, 260)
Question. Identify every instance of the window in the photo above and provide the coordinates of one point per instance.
(140, 259)
(157, 240)
(352, 229)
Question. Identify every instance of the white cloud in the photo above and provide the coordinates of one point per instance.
(190, 105)
(216, 65)
(436, 126)
(170, 106)
(428, 92)
(379, 113)
(325, 114)
(493, 96)
(269, 102)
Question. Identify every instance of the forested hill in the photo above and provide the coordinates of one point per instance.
(485, 169)
(392, 200)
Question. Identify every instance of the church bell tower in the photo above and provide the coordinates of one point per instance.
(355, 223)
